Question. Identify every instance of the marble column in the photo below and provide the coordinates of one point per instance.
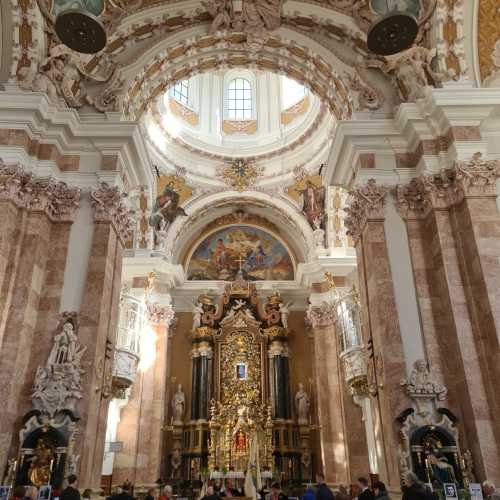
(98, 324)
(38, 215)
(201, 373)
(148, 420)
(334, 458)
(279, 378)
(365, 223)
(454, 228)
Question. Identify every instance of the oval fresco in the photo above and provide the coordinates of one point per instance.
(258, 254)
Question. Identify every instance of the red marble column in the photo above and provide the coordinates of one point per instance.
(329, 381)
(141, 427)
(98, 322)
(365, 223)
(32, 284)
(454, 229)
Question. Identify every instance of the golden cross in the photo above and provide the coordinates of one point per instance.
(240, 261)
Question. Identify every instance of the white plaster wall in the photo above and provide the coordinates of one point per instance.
(80, 243)
(404, 285)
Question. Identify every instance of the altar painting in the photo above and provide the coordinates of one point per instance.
(258, 254)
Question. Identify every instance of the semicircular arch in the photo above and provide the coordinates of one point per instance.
(282, 216)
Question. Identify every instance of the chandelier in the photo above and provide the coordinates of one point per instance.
(78, 26)
(394, 31)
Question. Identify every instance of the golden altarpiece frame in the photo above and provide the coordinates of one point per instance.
(241, 406)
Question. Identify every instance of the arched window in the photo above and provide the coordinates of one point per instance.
(239, 99)
(292, 92)
(180, 92)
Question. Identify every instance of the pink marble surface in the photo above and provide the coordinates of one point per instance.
(19, 324)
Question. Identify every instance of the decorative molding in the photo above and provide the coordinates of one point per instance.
(158, 314)
(322, 316)
(183, 112)
(474, 178)
(365, 203)
(298, 109)
(478, 176)
(109, 205)
(38, 194)
(240, 174)
(231, 127)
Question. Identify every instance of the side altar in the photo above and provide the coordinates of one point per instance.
(242, 414)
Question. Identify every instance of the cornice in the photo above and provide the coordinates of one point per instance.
(74, 133)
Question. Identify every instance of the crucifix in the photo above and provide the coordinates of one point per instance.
(240, 261)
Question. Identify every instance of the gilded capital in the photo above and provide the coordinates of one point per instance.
(365, 203)
(110, 205)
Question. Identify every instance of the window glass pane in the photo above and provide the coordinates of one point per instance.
(180, 92)
(239, 99)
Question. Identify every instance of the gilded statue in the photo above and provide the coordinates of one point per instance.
(40, 468)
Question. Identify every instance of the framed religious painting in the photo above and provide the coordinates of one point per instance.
(241, 371)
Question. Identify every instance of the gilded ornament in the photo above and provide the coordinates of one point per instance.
(240, 174)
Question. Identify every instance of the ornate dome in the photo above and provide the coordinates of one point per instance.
(214, 118)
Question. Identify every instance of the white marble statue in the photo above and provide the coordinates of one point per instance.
(197, 314)
(178, 405)
(420, 382)
(284, 311)
(302, 405)
(57, 385)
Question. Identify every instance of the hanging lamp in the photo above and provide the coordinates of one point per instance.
(78, 26)
(393, 32)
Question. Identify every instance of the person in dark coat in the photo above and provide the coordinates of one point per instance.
(366, 493)
(322, 490)
(414, 489)
(380, 491)
(125, 493)
(210, 494)
(276, 493)
(71, 491)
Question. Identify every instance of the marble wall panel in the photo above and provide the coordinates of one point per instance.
(20, 323)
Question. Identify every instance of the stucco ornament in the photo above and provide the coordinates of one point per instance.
(422, 388)
(257, 18)
(411, 71)
(57, 384)
(63, 74)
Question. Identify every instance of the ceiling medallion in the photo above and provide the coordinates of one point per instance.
(392, 33)
(240, 174)
(81, 31)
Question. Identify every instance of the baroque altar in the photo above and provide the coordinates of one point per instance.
(242, 415)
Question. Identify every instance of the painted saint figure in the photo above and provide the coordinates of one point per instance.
(166, 209)
(312, 203)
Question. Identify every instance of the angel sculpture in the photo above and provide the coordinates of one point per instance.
(197, 314)
(284, 312)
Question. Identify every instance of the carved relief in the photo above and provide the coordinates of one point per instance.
(411, 71)
(57, 384)
(110, 205)
(478, 176)
(488, 33)
(56, 199)
(321, 316)
(366, 202)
